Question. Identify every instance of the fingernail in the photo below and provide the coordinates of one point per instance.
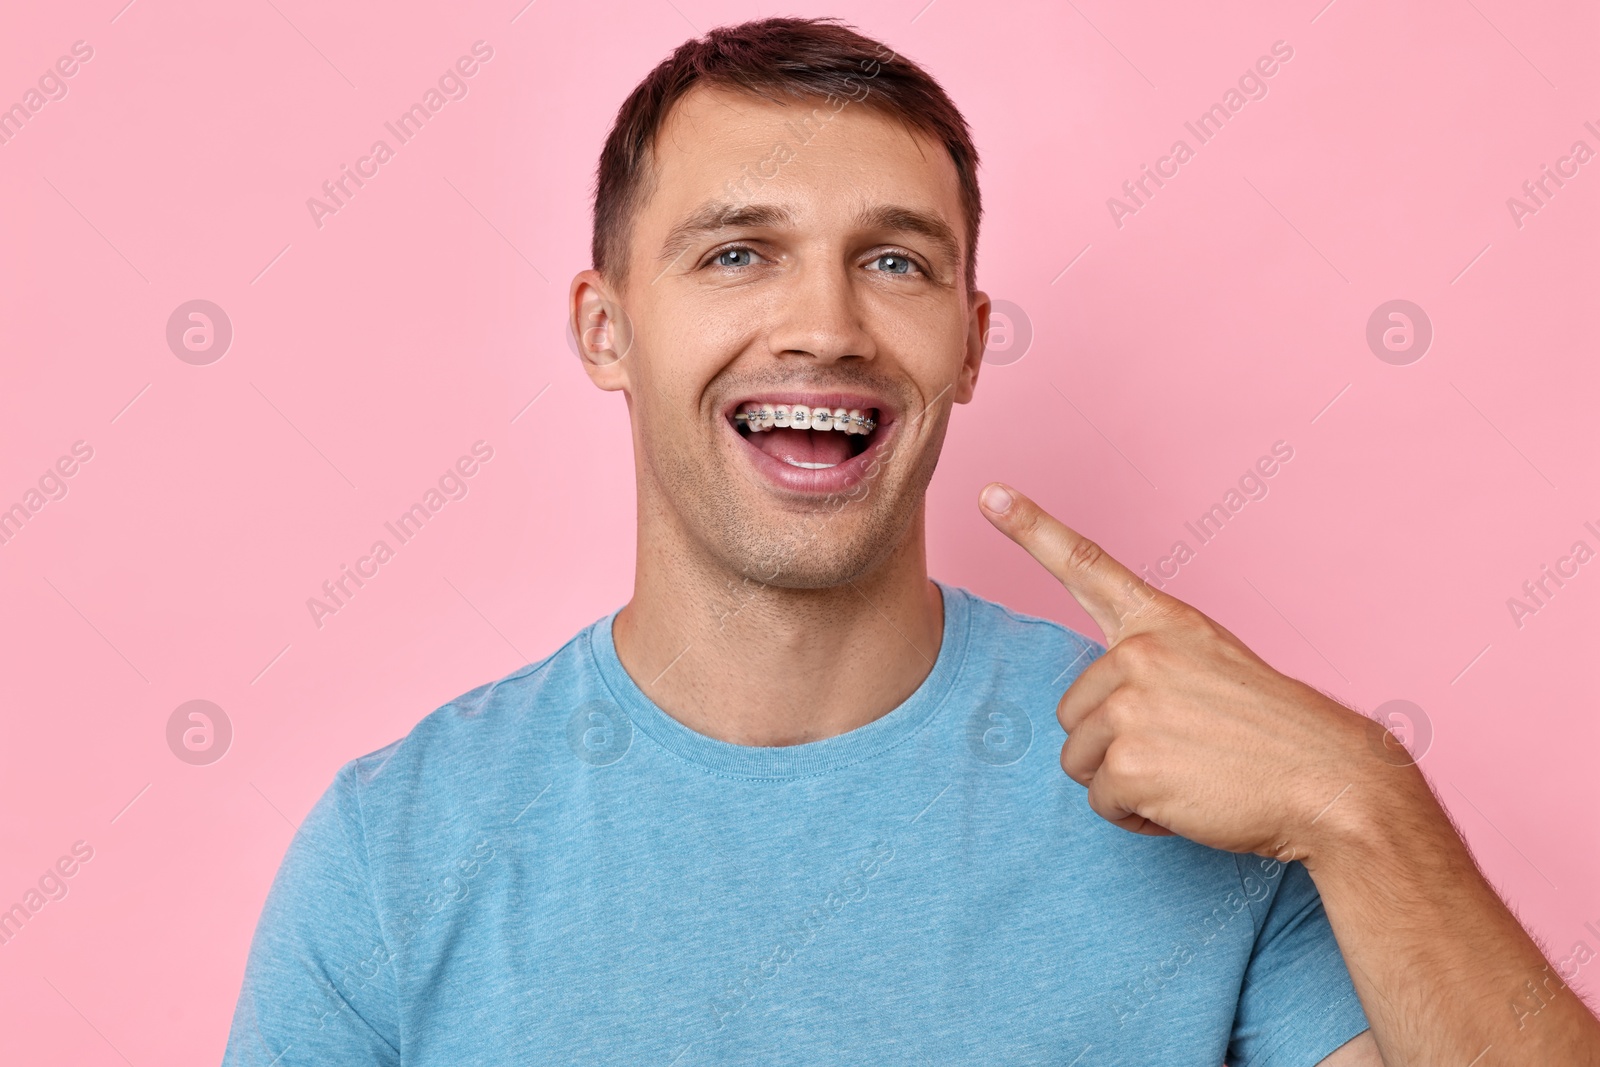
(997, 499)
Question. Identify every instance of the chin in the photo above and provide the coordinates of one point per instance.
(822, 550)
(762, 531)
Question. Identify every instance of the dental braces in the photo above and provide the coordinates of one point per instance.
(820, 419)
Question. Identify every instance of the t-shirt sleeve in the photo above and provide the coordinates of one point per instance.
(319, 985)
(1297, 1004)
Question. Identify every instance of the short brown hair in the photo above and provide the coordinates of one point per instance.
(773, 59)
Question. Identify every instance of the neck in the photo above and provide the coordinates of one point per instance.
(757, 664)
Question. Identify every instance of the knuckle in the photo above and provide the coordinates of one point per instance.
(1084, 555)
(1138, 652)
(1119, 710)
(1070, 766)
(1098, 802)
(1122, 761)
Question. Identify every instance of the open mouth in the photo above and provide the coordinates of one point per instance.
(813, 442)
(826, 437)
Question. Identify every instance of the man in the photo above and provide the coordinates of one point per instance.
(797, 803)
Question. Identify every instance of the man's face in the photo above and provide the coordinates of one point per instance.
(806, 256)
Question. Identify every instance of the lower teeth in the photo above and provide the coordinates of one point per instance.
(808, 466)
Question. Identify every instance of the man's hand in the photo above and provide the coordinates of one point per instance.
(1179, 727)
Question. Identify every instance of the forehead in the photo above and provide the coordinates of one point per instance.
(823, 159)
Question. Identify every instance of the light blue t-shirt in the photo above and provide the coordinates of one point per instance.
(552, 870)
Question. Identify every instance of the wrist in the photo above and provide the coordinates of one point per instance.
(1387, 822)
(1379, 804)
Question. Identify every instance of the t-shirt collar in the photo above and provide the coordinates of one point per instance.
(790, 761)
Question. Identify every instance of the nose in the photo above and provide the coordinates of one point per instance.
(820, 317)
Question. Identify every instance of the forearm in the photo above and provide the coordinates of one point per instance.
(1444, 970)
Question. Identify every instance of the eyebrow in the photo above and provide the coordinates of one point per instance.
(717, 215)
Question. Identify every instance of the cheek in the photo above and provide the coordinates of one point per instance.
(926, 339)
(682, 344)
(673, 422)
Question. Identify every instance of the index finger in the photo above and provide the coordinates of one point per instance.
(1115, 597)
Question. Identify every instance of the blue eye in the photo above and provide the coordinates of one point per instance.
(896, 264)
(722, 257)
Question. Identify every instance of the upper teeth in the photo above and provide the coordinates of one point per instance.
(759, 417)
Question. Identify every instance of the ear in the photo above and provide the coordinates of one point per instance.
(977, 339)
(603, 330)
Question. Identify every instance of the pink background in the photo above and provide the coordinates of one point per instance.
(1228, 313)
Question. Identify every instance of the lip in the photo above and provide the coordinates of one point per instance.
(799, 480)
